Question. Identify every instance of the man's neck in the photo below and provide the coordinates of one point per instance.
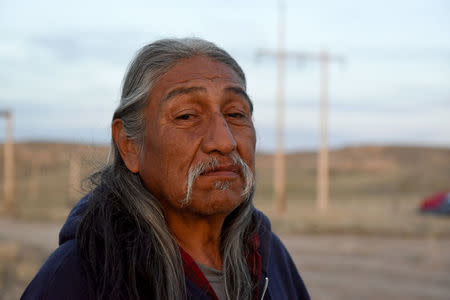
(200, 237)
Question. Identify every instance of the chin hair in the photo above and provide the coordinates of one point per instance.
(222, 185)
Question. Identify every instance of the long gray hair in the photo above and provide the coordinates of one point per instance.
(123, 237)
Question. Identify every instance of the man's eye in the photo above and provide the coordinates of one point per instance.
(236, 115)
(184, 117)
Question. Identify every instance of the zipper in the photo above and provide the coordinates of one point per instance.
(266, 284)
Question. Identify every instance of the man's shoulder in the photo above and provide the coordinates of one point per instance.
(61, 276)
(284, 280)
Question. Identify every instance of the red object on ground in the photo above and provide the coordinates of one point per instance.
(433, 202)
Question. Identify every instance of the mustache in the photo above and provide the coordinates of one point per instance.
(210, 164)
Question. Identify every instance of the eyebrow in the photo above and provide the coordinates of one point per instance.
(241, 92)
(182, 91)
(196, 89)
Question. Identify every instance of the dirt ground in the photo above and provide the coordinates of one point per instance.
(332, 266)
(358, 267)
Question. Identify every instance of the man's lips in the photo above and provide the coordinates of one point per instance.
(223, 170)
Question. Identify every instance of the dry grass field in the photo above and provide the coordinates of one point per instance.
(370, 244)
(373, 190)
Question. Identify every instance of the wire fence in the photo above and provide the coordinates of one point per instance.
(367, 184)
(50, 178)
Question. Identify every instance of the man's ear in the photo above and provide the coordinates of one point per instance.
(128, 149)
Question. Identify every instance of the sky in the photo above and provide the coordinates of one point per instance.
(62, 63)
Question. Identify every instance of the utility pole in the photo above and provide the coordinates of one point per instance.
(8, 156)
(322, 161)
(280, 157)
(74, 177)
(281, 55)
(322, 158)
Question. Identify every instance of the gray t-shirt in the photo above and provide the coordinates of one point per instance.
(215, 278)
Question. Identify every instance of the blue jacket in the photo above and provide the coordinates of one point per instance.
(62, 276)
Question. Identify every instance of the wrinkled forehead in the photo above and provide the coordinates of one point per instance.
(197, 69)
(200, 67)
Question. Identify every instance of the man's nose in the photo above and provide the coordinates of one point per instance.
(218, 137)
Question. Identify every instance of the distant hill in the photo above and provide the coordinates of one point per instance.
(368, 170)
(366, 183)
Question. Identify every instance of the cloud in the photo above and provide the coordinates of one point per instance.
(62, 63)
(106, 46)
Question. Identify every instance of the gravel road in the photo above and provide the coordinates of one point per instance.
(357, 267)
(333, 267)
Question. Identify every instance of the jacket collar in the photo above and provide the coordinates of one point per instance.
(265, 235)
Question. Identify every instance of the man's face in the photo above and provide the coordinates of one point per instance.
(197, 111)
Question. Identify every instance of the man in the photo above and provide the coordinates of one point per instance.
(172, 215)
